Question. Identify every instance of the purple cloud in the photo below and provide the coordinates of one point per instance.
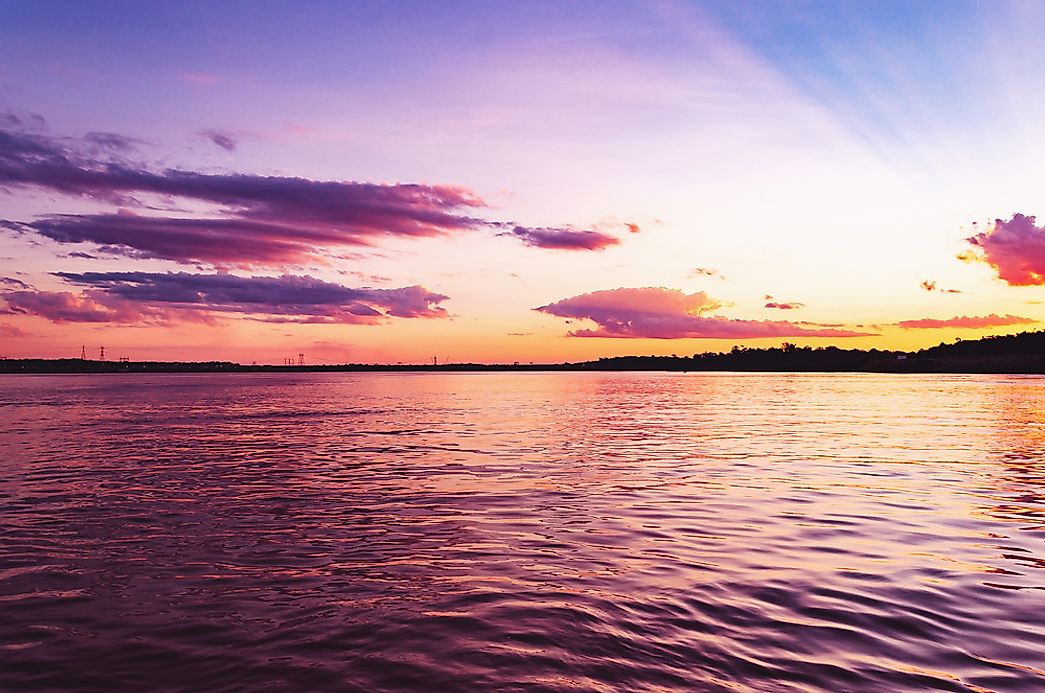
(220, 138)
(131, 297)
(260, 220)
(660, 313)
(785, 305)
(201, 78)
(21, 121)
(16, 283)
(563, 239)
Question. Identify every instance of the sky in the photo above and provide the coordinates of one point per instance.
(536, 182)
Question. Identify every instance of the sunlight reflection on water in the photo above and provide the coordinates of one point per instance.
(589, 531)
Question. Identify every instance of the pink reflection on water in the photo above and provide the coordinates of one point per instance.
(831, 532)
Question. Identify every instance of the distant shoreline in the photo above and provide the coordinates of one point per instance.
(1022, 353)
(204, 368)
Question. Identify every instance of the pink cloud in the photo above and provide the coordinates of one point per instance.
(89, 306)
(789, 305)
(661, 313)
(965, 322)
(1014, 248)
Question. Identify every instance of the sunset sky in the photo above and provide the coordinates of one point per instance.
(497, 182)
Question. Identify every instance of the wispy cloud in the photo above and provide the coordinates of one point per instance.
(704, 272)
(13, 282)
(220, 138)
(563, 238)
(661, 313)
(930, 286)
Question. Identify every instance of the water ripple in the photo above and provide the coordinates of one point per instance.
(559, 532)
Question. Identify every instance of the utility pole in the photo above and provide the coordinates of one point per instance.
(83, 353)
(101, 355)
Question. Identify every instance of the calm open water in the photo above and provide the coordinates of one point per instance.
(560, 532)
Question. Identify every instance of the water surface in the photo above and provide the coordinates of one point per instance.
(522, 531)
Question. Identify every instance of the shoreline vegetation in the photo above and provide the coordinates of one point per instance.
(1019, 353)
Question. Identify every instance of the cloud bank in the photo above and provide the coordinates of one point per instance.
(155, 297)
(965, 322)
(661, 313)
(252, 220)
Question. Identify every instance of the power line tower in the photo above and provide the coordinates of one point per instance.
(301, 359)
(101, 354)
(83, 353)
